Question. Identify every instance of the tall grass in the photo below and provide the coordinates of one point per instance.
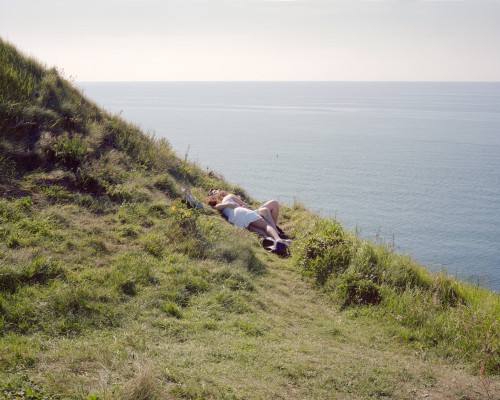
(100, 264)
(19, 75)
(461, 320)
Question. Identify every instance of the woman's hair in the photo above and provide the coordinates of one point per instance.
(216, 198)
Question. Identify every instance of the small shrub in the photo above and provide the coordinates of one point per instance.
(119, 194)
(194, 245)
(184, 216)
(249, 329)
(185, 234)
(90, 182)
(133, 270)
(232, 302)
(326, 252)
(354, 289)
(184, 283)
(10, 392)
(130, 139)
(325, 256)
(229, 252)
(9, 212)
(34, 226)
(42, 270)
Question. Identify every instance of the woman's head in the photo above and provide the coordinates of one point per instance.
(215, 197)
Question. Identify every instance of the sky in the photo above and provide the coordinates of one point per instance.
(259, 40)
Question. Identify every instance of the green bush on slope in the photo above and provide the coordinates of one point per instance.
(46, 123)
(461, 319)
(76, 159)
(93, 242)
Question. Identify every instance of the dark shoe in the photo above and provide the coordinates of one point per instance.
(282, 234)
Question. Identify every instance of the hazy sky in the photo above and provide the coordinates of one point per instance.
(165, 40)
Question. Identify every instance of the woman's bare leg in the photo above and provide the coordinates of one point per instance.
(265, 213)
(258, 231)
(274, 207)
(267, 228)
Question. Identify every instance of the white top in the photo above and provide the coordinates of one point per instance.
(239, 216)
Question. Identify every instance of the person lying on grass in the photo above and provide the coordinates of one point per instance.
(262, 221)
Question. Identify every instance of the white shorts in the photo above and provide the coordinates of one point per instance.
(242, 217)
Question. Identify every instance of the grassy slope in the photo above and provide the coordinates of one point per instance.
(110, 288)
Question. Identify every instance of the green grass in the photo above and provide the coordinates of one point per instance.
(458, 320)
(110, 288)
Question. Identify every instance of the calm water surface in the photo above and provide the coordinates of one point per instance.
(418, 163)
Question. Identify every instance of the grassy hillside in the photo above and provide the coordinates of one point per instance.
(110, 288)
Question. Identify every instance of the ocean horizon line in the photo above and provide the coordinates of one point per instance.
(280, 81)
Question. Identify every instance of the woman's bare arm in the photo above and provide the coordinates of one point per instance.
(240, 202)
(221, 206)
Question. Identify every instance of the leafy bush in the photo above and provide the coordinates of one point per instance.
(325, 254)
(355, 289)
(430, 309)
(186, 217)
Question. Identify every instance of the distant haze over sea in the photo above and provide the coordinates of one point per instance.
(414, 163)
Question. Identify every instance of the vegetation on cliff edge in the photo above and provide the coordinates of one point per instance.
(111, 288)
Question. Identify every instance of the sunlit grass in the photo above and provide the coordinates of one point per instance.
(110, 288)
(460, 320)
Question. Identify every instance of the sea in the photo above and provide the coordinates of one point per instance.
(415, 165)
